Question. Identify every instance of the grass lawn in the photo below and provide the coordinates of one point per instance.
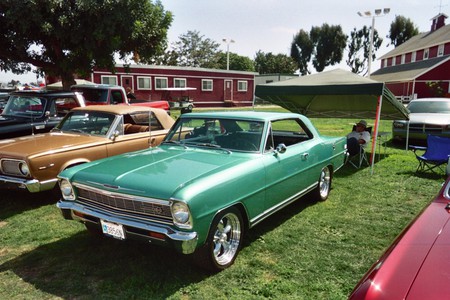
(309, 250)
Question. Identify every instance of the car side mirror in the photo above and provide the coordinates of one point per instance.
(280, 149)
(115, 134)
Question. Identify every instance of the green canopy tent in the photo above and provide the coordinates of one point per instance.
(336, 94)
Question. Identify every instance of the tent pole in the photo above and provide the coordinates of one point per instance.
(374, 141)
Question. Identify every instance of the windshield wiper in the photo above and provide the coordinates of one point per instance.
(175, 143)
(214, 146)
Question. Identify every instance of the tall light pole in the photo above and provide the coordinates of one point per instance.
(368, 14)
(228, 41)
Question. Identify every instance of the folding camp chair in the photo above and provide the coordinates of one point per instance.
(437, 153)
(359, 159)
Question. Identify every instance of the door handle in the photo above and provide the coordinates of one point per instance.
(304, 156)
(152, 141)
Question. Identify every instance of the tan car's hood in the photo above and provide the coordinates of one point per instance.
(47, 143)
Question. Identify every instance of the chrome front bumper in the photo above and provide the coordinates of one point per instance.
(32, 185)
(183, 242)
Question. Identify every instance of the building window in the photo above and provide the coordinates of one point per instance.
(242, 86)
(413, 56)
(426, 53)
(393, 61)
(179, 82)
(385, 62)
(403, 59)
(440, 50)
(207, 85)
(144, 83)
(160, 83)
(109, 79)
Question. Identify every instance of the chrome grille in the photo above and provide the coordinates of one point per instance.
(124, 203)
(426, 128)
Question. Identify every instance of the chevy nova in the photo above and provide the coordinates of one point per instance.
(198, 192)
(85, 134)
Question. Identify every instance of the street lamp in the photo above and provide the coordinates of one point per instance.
(228, 41)
(368, 14)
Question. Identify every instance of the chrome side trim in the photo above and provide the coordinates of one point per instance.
(280, 205)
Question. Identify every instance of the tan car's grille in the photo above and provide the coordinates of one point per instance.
(124, 203)
(11, 167)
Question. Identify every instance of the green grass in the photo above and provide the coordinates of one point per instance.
(309, 250)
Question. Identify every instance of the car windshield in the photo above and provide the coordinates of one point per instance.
(436, 107)
(88, 122)
(228, 134)
(25, 106)
(94, 95)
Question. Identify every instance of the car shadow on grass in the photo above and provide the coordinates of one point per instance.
(14, 202)
(89, 266)
(86, 266)
(280, 217)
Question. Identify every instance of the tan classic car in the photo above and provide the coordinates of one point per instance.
(85, 134)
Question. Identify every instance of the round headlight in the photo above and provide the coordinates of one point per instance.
(180, 213)
(66, 190)
(23, 168)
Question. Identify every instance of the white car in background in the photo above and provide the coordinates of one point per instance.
(427, 116)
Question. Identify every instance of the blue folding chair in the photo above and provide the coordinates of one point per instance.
(437, 153)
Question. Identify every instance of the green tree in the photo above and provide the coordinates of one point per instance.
(329, 42)
(402, 29)
(63, 38)
(359, 48)
(301, 51)
(191, 50)
(237, 62)
(323, 45)
(268, 63)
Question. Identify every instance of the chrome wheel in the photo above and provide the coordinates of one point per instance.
(324, 184)
(226, 239)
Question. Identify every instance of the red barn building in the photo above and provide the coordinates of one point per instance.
(420, 67)
(208, 87)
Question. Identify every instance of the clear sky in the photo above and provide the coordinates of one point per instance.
(269, 25)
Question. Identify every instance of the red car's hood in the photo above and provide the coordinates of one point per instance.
(433, 280)
(417, 265)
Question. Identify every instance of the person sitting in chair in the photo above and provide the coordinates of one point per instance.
(359, 137)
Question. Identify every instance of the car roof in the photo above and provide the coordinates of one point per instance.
(43, 93)
(431, 99)
(161, 114)
(247, 115)
(95, 86)
(116, 109)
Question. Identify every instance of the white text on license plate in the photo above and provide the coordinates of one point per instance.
(114, 230)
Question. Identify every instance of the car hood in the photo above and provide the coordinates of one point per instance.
(438, 119)
(417, 265)
(433, 278)
(7, 120)
(159, 172)
(47, 143)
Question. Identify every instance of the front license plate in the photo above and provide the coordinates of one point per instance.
(114, 230)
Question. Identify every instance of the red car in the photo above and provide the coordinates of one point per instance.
(417, 264)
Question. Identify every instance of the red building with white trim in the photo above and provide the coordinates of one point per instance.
(423, 61)
(212, 88)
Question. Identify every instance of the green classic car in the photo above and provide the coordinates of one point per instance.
(214, 176)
